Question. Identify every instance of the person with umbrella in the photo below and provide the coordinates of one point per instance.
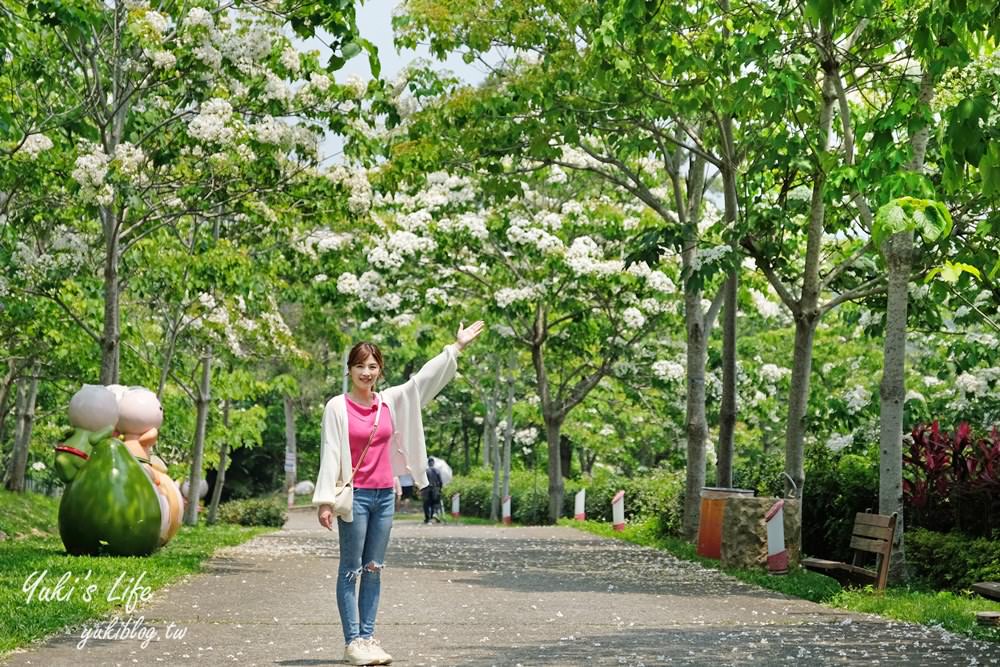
(368, 438)
(432, 492)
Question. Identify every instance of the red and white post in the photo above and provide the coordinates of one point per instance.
(777, 555)
(580, 511)
(618, 511)
(454, 506)
(506, 510)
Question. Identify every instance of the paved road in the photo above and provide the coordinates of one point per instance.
(481, 596)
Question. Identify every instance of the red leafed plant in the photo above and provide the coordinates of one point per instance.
(952, 480)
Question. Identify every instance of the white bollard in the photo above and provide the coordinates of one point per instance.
(777, 555)
(618, 511)
(580, 512)
(454, 506)
(506, 511)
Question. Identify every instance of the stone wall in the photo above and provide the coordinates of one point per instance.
(744, 535)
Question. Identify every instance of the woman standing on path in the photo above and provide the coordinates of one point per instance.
(375, 436)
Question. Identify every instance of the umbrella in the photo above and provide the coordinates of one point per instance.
(444, 470)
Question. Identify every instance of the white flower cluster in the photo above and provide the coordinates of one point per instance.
(270, 130)
(971, 384)
(857, 399)
(199, 17)
(276, 88)
(765, 307)
(837, 442)
(355, 85)
(713, 255)
(210, 124)
(156, 22)
(34, 144)
(578, 159)
(521, 233)
(347, 283)
(668, 370)
(359, 200)
(525, 437)
(656, 279)
(634, 319)
(508, 295)
(322, 241)
(164, 60)
(436, 296)
(473, 222)
(773, 373)
(400, 245)
(90, 172)
(584, 258)
(290, 59)
(129, 159)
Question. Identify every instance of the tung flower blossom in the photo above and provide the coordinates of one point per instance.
(34, 145)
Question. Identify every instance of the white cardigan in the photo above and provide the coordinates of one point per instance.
(409, 452)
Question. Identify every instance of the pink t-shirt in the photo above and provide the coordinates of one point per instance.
(376, 471)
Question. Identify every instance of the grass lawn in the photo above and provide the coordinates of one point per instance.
(41, 556)
(955, 612)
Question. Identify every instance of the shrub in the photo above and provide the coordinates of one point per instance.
(951, 560)
(658, 495)
(952, 480)
(254, 512)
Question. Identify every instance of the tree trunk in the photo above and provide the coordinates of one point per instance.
(806, 312)
(27, 394)
(194, 481)
(220, 477)
(696, 426)
(727, 408)
(465, 442)
(290, 449)
(556, 486)
(798, 402)
(111, 337)
(898, 251)
(508, 435)
(5, 408)
(566, 456)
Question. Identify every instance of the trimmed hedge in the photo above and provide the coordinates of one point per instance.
(951, 560)
(254, 512)
(659, 494)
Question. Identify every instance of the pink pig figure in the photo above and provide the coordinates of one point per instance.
(139, 416)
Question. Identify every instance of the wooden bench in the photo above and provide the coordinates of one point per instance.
(988, 589)
(872, 534)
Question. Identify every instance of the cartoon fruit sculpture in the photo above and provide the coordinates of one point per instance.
(110, 506)
(93, 412)
(139, 417)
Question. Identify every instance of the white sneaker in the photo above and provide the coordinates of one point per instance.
(358, 652)
(377, 652)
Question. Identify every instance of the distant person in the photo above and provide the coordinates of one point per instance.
(367, 438)
(407, 492)
(432, 492)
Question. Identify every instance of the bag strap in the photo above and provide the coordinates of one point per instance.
(371, 436)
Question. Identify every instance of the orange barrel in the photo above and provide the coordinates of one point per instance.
(713, 509)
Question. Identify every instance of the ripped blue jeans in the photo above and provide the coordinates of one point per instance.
(362, 555)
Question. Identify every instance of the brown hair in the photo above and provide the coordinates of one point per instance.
(361, 351)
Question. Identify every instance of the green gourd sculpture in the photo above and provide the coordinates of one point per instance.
(110, 507)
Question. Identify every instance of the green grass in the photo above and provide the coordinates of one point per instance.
(26, 559)
(27, 514)
(954, 612)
